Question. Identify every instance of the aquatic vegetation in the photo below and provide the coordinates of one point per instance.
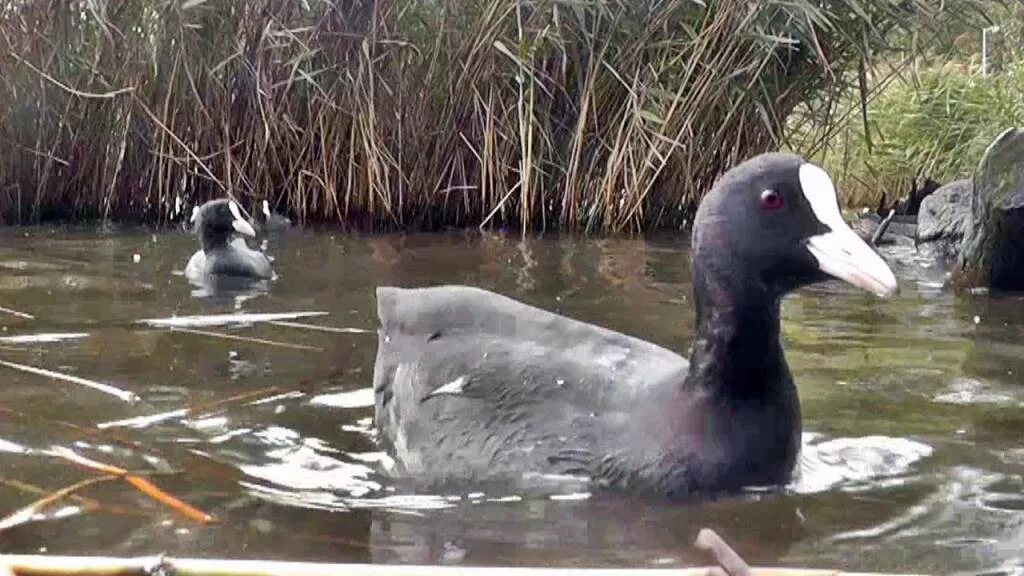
(930, 115)
(418, 114)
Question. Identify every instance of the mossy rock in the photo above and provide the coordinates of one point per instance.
(992, 253)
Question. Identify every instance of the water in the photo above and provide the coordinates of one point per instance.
(914, 444)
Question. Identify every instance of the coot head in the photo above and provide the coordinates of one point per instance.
(772, 224)
(271, 221)
(217, 220)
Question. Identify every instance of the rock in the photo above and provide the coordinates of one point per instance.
(992, 253)
(942, 220)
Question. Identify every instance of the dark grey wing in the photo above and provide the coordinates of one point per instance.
(471, 385)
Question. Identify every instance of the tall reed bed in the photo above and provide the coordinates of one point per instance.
(583, 115)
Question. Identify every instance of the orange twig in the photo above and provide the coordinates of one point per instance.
(138, 482)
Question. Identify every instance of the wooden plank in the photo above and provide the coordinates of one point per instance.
(36, 565)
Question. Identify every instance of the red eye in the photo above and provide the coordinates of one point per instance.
(771, 200)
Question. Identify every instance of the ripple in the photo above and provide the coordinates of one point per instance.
(571, 497)
(302, 468)
(362, 398)
(1007, 503)
(854, 463)
(328, 500)
(966, 391)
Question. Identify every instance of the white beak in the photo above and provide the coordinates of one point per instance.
(840, 252)
(239, 223)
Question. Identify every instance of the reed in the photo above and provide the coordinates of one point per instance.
(931, 114)
(935, 124)
(581, 115)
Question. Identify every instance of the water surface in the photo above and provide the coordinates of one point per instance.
(914, 425)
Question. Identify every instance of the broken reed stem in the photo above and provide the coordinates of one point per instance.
(314, 327)
(70, 90)
(882, 227)
(87, 504)
(14, 312)
(139, 483)
(249, 339)
(123, 395)
(183, 412)
(25, 514)
(81, 429)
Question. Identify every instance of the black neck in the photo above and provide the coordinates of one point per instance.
(213, 239)
(737, 352)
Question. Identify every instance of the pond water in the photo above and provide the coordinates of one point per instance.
(913, 410)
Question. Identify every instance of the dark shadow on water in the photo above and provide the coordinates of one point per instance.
(537, 533)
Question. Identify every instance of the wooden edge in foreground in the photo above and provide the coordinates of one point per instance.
(36, 565)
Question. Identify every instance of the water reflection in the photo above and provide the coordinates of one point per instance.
(912, 409)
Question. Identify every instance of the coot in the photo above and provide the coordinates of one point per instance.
(271, 221)
(473, 387)
(222, 254)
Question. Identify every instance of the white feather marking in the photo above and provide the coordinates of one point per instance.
(234, 210)
(820, 193)
(240, 224)
(453, 388)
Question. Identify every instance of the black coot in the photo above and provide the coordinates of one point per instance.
(221, 253)
(471, 386)
(271, 222)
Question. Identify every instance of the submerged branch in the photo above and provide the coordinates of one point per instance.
(25, 515)
(139, 483)
(248, 339)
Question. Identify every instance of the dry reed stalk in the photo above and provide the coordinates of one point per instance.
(123, 395)
(612, 117)
(26, 513)
(248, 339)
(138, 482)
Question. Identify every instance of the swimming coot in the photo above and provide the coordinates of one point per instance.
(221, 253)
(473, 387)
(268, 221)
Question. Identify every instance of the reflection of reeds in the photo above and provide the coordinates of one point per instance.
(528, 113)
